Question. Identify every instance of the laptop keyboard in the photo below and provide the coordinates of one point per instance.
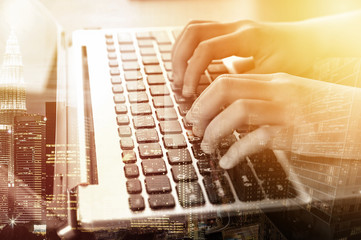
(156, 140)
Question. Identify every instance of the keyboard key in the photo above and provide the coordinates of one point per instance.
(129, 57)
(124, 38)
(190, 194)
(134, 186)
(184, 108)
(186, 124)
(118, 88)
(133, 75)
(162, 102)
(140, 109)
(124, 48)
(217, 68)
(110, 48)
(170, 127)
(138, 97)
(122, 119)
(161, 201)
(146, 135)
(113, 63)
(119, 98)
(150, 60)
(166, 57)
(128, 156)
(155, 79)
(157, 184)
(121, 109)
(116, 80)
(180, 99)
(131, 66)
(179, 156)
(152, 69)
(109, 41)
(166, 114)
(154, 167)
(168, 66)
(218, 189)
(145, 43)
(143, 122)
(136, 203)
(147, 51)
(193, 138)
(112, 56)
(134, 86)
(159, 90)
(108, 35)
(198, 153)
(114, 71)
(227, 142)
(150, 150)
(161, 37)
(131, 171)
(124, 131)
(175, 88)
(170, 76)
(143, 35)
(165, 48)
(126, 143)
(174, 141)
(184, 173)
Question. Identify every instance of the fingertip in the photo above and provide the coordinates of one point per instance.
(206, 147)
(225, 163)
(188, 91)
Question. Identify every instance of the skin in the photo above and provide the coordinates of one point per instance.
(277, 108)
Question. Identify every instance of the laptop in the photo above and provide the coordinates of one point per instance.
(125, 153)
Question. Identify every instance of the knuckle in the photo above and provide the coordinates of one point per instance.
(243, 110)
(192, 30)
(221, 84)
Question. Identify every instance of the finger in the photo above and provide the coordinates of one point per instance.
(242, 65)
(252, 143)
(192, 36)
(240, 43)
(238, 114)
(225, 90)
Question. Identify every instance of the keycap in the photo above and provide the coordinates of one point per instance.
(209, 165)
(130, 66)
(113, 63)
(157, 184)
(227, 142)
(150, 60)
(166, 57)
(126, 48)
(118, 88)
(183, 108)
(163, 102)
(136, 203)
(161, 37)
(145, 43)
(175, 88)
(109, 41)
(160, 201)
(143, 122)
(190, 194)
(147, 51)
(108, 35)
(146, 135)
(110, 48)
(124, 38)
(126, 143)
(174, 141)
(133, 75)
(166, 114)
(168, 66)
(143, 35)
(131, 170)
(218, 189)
(129, 57)
(184, 173)
(156, 79)
(152, 69)
(198, 153)
(179, 156)
(217, 68)
(124, 131)
(112, 55)
(116, 80)
(140, 109)
(170, 127)
(154, 167)
(134, 186)
(128, 156)
(170, 76)
(134, 86)
(119, 98)
(186, 124)
(150, 150)
(165, 48)
(122, 119)
(114, 71)
(193, 138)
(159, 90)
(121, 108)
(180, 99)
(138, 97)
